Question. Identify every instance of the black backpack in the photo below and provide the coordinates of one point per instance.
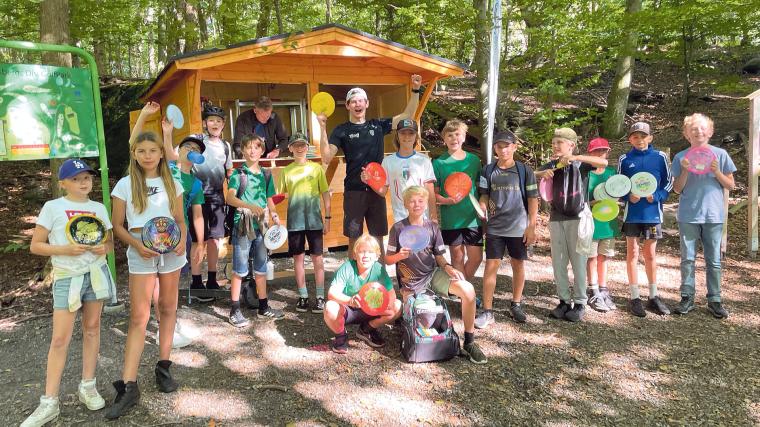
(521, 172)
(229, 218)
(568, 191)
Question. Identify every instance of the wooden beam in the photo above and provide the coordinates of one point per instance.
(424, 98)
(754, 171)
(333, 50)
(168, 75)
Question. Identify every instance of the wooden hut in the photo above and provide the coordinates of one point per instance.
(290, 69)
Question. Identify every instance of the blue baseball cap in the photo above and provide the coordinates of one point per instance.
(73, 167)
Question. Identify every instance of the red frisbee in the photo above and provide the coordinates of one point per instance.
(700, 159)
(377, 176)
(374, 298)
(458, 185)
(277, 198)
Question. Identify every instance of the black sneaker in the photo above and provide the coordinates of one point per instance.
(656, 305)
(473, 352)
(372, 337)
(637, 307)
(560, 310)
(196, 285)
(686, 304)
(717, 310)
(127, 396)
(597, 303)
(576, 313)
(302, 306)
(212, 285)
(517, 312)
(164, 379)
(319, 307)
(339, 344)
(270, 313)
(237, 319)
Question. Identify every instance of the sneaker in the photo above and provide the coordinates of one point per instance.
(484, 319)
(597, 303)
(319, 307)
(717, 310)
(474, 353)
(576, 313)
(88, 394)
(339, 344)
(212, 285)
(637, 308)
(608, 299)
(164, 379)
(179, 340)
(686, 304)
(302, 306)
(656, 305)
(196, 285)
(270, 313)
(560, 310)
(48, 410)
(372, 337)
(237, 319)
(518, 315)
(127, 396)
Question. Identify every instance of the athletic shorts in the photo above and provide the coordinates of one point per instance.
(604, 247)
(359, 206)
(297, 242)
(647, 231)
(440, 282)
(497, 246)
(472, 236)
(213, 221)
(162, 264)
(354, 316)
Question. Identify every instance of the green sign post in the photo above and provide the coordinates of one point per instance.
(53, 112)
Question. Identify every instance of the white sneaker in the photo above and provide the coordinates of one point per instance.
(179, 340)
(88, 394)
(46, 412)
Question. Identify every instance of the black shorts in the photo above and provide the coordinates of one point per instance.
(472, 236)
(647, 231)
(496, 246)
(354, 316)
(359, 206)
(297, 242)
(213, 221)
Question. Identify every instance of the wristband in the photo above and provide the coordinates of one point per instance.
(328, 217)
(417, 90)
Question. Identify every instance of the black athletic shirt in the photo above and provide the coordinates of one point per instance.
(361, 144)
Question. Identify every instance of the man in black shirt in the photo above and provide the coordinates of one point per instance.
(263, 122)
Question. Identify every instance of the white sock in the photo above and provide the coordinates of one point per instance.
(634, 291)
(594, 289)
(652, 290)
(88, 383)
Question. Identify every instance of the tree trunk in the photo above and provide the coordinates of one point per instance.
(482, 29)
(687, 40)
(202, 25)
(617, 101)
(54, 29)
(190, 26)
(328, 11)
(262, 27)
(278, 15)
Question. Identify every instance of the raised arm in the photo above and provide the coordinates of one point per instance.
(167, 127)
(414, 101)
(326, 150)
(149, 109)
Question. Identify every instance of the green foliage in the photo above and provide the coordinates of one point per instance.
(13, 247)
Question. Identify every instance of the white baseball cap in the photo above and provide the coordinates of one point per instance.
(357, 91)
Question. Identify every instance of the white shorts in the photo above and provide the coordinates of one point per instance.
(139, 265)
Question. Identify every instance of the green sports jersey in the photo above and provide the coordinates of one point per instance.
(462, 214)
(608, 229)
(347, 277)
(257, 190)
(304, 184)
(187, 181)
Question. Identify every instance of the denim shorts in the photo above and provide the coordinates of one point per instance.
(241, 249)
(61, 291)
(139, 265)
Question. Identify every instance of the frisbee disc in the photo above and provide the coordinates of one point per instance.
(643, 184)
(545, 188)
(414, 237)
(458, 185)
(161, 234)
(617, 186)
(476, 206)
(174, 114)
(376, 174)
(278, 198)
(323, 103)
(374, 298)
(601, 194)
(700, 159)
(275, 237)
(605, 210)
(86, 229)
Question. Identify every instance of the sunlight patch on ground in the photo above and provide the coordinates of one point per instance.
(629, 380)
(189, 358)
(217, 404)
(753, 410)
(245, 365)
(745, 320)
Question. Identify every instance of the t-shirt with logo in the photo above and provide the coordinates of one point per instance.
(361, 144)
(402, 173)
(416, 271)
(54, 216)
(257, 189)
(462, 214)
(304, 183)
(701, 199)
(157, 200)
(507, 216)
(347, 277)
(213, 171)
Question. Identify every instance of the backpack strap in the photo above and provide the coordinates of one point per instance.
(523, 175)
(193, 192)
(243, 181)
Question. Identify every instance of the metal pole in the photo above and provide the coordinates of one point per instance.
(493, 77)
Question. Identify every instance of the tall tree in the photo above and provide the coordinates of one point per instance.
(482, 30)
(617, 100)
(54, 29)
(265, 12)
(328, 11)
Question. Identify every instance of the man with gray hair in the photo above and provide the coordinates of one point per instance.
(261, 121)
